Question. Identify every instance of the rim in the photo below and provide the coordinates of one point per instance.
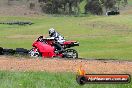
(33, 53)
(72, 53)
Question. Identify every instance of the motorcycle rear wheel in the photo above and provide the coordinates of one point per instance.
(71, 53)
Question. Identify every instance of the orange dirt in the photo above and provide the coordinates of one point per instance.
(61, 65)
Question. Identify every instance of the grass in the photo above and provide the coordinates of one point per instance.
(47, 80)
(99, 36)
(130, 2)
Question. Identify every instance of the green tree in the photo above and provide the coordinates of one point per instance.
(94, 7)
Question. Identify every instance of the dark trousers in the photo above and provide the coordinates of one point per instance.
(58, 47)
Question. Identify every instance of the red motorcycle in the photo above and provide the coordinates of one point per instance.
(46, 49)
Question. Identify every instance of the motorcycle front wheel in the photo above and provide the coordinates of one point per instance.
(34, 53)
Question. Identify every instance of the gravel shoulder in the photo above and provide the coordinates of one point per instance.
(61, 65)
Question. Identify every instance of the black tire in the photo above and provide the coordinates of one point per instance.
(21, 53)
(74, 53)
(21, 50)
(1, 51)
(8, 51)
(5, 50)
(81, 80)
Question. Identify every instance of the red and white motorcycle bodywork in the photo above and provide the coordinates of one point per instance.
(47, 50)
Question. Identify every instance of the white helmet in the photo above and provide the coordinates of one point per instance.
(51, 30)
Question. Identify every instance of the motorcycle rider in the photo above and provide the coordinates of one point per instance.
(54, 34)
(58, 38)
